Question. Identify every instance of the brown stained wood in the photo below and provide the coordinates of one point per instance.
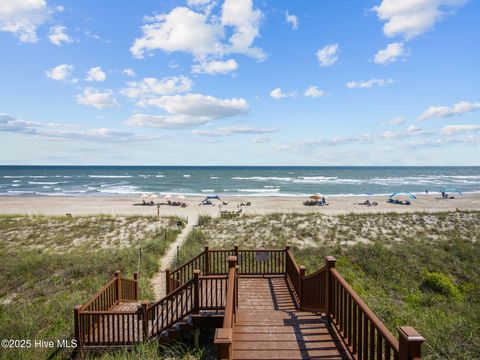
(269, 326)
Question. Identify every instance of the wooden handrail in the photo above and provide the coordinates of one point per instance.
(324, 291)
(224, 336)
(366, 310)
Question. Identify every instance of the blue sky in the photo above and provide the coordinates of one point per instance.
(238, 82)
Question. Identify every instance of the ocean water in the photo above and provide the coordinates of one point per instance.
(224, 180)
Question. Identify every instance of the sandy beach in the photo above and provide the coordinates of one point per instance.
(76, 206)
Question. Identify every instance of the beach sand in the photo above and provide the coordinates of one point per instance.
(259, 205)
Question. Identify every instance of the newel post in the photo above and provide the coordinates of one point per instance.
(144, 311)
(329, 264)
(76, 321)
(135, 278)
(410, 343)
(207, 262)
(167, 281)
(196, 291)
(118, 276)
(232, 263)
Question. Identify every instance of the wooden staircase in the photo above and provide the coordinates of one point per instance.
(269, 325)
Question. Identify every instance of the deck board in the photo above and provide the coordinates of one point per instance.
(268, 325)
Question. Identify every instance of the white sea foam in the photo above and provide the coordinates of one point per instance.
(123, 190)
(208, 191)
(262, 178)
(110, 176)
(258, 190)
(160, 176)
(46, 182)
(187, 176)
(213, 177)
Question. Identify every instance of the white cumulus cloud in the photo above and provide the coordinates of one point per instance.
(22, 17)
(96, 74)
(277, 93)
(152, 87)
(231, 130)
(96, 98)
(454, 129)
(390, 54)
(313, 91)
(396, 121)
(410, 18)
(215, 67)
(185, 30)
(292, 20)
(460, 108)
(328, 55)
(189, 110)
(128, 72)
(369, 83)
(60, 72)
(58, 35)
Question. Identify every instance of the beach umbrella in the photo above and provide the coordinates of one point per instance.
(398, 194)
(452, 191)
(316, 196)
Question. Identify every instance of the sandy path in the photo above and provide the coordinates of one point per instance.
(158, 280)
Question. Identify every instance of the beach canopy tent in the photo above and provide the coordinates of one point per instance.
(207, 201)
(449, 191)
(316, 196)
(403, 194)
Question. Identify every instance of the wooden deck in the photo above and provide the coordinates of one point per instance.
(269, 326)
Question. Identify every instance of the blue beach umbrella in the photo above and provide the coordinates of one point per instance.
(410, 196)
(452, 191)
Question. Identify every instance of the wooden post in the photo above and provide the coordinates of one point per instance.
(302, 275)
(118, 275)
(145, 321)
(206, 264)
(329, 264)
(167, 281)
(135, 278)
(196, 291)
(76, 321)
(410, 343)
(235, 249)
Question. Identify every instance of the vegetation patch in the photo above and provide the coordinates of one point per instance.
(416, 269)
(41, 285)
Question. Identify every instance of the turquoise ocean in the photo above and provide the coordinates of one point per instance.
(231, 180)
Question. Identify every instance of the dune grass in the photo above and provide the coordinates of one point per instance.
(50, 264)
(415, 269)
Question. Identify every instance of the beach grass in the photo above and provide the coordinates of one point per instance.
(50, 264)
(416, 269)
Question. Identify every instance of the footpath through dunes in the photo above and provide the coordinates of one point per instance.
(269, 326)
(158, 280)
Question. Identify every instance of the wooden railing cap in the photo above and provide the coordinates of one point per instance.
(117, 273)
(223, 335)
(410, 334)
(330, 259)
(196, 271)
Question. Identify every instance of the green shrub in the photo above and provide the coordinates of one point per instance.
(440, 283)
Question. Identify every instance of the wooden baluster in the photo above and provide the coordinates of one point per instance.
(300, 288)
(135, 284)
(410, 343)
(167, 281)
(118, 276)
(206, 269)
